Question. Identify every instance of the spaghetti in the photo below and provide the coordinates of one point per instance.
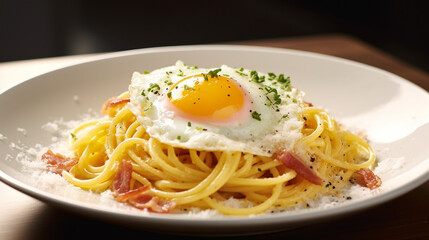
(117, 153)
(205, 179)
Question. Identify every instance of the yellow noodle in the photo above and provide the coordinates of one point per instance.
(204, 179)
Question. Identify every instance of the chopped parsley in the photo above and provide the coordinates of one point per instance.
(186, 87)
(199, 128)
(189, 124)
(256, 78)
(153, 86)
(285, 81)
(284, 116)
(146, 72)
(277, 99)
(240, 72)
(169, 94)
(181, 74)
(256, 115)
(73, 136)
(213, 73)
(206, 78)
(168, 82)
(179, 137)
(143, 93)
(271, 76)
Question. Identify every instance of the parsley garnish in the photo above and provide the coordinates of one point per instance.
(168, 82)
(146, 72)
(241, 73)
(169, 94)
(284, 116)
(181, 73)
(179, 137)
(285, 81)
(206, 78)
(256, 77)
(189, 124)
(199, 128)
(269, 90)
(188, 88)
(271, 76)
(143, 94)
(153, 86)
(73, 136)
(213, 73)
(256, 115)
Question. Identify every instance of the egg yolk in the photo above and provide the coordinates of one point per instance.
(215, 98)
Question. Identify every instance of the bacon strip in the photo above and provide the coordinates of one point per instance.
(366, 178)
(57, 163)
(140, 198)
(113, 102)
(293, 162)
(121, 183)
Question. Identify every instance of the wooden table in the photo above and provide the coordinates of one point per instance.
(407, 217)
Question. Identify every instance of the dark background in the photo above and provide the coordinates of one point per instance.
(47, 28)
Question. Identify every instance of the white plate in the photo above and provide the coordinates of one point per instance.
(393, 111)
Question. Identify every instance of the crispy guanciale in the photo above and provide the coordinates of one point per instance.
(366, 178)
(293, 162)
(141, 197)
(57, 163)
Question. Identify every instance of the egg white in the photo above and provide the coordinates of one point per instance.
(280, 124)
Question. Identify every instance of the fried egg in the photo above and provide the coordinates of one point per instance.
(218, 109)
